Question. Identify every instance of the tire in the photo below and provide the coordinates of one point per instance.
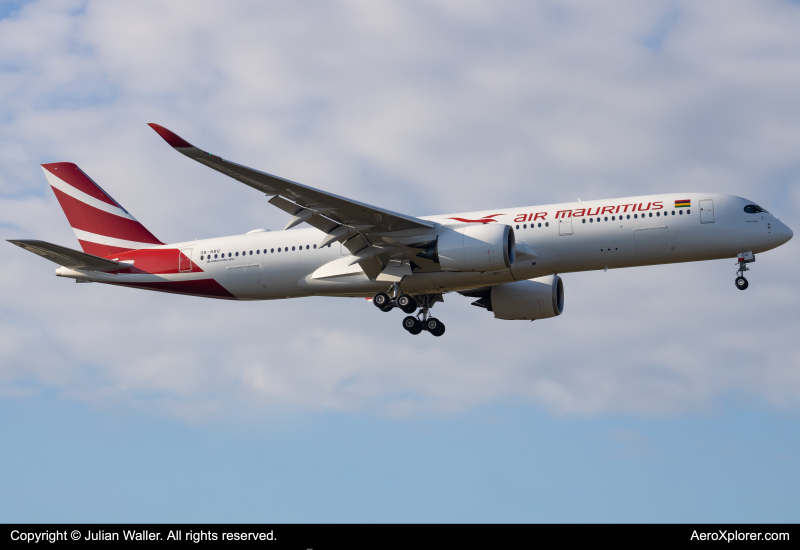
(387, 309)
(440, 330)
(381, 300)
(741, 283)
(407, 303)
(412, 325)
(433, 325)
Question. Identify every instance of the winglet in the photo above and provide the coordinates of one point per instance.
(170, 137)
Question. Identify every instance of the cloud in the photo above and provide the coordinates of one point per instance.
(422, 108)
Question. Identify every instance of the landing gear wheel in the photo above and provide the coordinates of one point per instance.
(741, 283)
(407, 303)
(412, 325)
(434, 326)
(382, 301)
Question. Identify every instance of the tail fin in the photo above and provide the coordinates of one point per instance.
(102, 226)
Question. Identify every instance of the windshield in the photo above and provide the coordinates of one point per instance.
(754, 209)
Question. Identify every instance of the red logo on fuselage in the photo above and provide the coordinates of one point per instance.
(485, 219)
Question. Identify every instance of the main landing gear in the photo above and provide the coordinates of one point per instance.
(742, 260)
(413, 324)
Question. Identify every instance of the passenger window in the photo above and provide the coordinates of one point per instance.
(525, 226)
(257, 252)
(546, 224)
(658, 213)
(237, 253)
(315, 247)
(292, 249)
(271, 250)
(201, 256)
(540, 224)
(517, 226)
(680, 212)
(613, 218)
(629, 216)
(591, 220)
(584, 220)
(688, 211)
(605, 219)
(229, 254)
(651, 214)
(635, 216)
(251, 252)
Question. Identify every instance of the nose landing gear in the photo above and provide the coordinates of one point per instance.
(742, 260)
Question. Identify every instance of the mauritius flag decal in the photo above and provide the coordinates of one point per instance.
(683, 204)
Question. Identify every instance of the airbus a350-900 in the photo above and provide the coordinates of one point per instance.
(507, 258)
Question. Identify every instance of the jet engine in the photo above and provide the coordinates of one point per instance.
(484, 247)
(532, 299)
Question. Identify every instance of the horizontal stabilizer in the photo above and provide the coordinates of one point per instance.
(67, 257)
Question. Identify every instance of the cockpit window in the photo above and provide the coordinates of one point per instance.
(754, 209)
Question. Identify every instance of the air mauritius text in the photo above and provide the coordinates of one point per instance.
(599, 210)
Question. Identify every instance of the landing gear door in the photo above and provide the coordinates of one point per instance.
(245, 281)
(707, 211)
(565, 226)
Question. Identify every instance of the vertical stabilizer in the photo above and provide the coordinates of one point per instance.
(102, 226)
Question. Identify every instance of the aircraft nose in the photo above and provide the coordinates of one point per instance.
(784, 232)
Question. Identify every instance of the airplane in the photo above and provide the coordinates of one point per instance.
(509, 259)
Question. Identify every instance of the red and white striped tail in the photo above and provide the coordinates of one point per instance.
(102, 226)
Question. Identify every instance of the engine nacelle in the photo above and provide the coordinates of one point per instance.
(523, 300)
(532, 299)
(484, 247)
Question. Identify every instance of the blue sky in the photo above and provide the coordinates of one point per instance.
(661, 393)
(497, 464)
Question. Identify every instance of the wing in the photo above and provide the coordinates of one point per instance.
(339, 209)
(67, 257)
(346, 220)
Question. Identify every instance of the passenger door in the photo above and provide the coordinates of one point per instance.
(185, 260)
(564, 226)
(707, 211)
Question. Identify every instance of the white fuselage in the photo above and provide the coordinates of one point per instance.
(569, 237)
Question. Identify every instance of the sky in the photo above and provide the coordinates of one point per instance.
(662, 393)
